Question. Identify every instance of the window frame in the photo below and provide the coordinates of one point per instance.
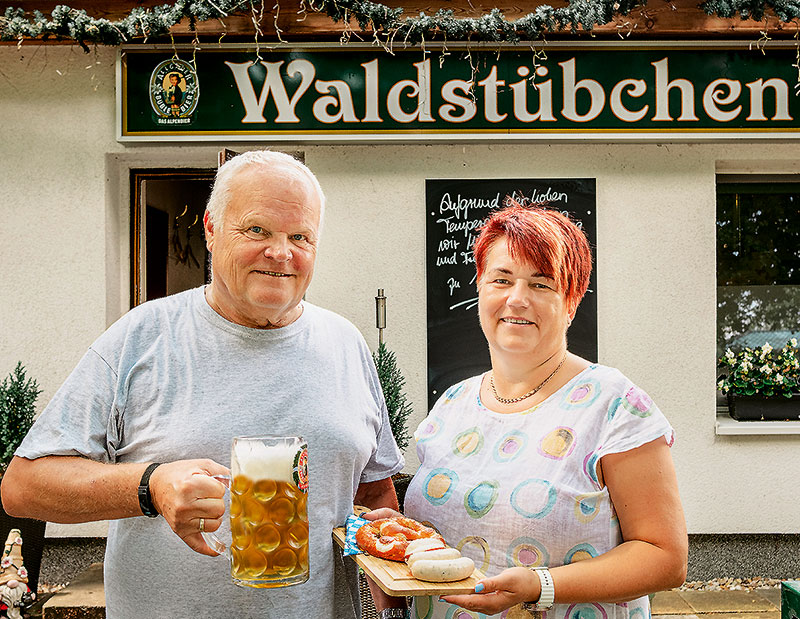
(750, 173)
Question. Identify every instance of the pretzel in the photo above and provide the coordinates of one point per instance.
(388, 538)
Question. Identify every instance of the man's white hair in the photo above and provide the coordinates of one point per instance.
(221, 192)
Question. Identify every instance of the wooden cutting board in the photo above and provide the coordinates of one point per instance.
(395, 578)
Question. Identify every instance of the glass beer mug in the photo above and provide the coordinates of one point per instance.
(266, 528)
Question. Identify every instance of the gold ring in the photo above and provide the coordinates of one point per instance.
(202, 524)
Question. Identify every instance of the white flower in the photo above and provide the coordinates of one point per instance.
(766, 369)
(18, 541)
(793, 341)
(779, 379)
(766, 348)
(6, 562)
(720, 384)
(22, 572)
(729, 354)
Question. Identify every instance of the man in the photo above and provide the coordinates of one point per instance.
(174, 94)
(175, 379)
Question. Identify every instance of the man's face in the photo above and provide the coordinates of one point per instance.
(173, 79)
(264, 250)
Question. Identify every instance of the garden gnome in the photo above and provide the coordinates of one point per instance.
(14, 591)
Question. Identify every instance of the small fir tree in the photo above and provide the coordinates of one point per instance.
(392, 383)
(17, 407)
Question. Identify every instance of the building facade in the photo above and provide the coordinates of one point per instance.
(76, 180)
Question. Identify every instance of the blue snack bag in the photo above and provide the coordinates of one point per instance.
(352, 524)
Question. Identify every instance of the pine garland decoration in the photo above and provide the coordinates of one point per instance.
(492, 27)
(139, 24)
(392, 383)
(784, 10)
(17, 399)
(68, 23)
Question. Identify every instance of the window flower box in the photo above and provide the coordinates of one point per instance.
(763, 408)
(762, 383)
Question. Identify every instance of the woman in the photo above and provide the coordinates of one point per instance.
(547, 460)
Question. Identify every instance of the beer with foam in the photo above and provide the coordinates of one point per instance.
(268, 512)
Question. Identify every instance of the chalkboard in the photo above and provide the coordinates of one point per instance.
(455, 209)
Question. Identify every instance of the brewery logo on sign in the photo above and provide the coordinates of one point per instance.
(174, 92)
(300, 469)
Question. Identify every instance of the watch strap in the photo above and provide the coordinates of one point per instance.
(547, 591)
(393, 613)
(145, 499)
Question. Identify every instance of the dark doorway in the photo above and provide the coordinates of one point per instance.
(168, 251)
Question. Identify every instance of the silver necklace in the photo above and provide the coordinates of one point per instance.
(531, 392)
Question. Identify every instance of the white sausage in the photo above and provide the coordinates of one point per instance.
(433, 555)
(448, 570)
(423, 543)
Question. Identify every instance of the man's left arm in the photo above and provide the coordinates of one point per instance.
(377, 494)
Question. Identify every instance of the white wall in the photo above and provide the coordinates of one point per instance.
(64, 251)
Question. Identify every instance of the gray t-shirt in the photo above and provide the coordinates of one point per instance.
(173, 380)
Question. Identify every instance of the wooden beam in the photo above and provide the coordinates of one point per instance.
(659, 19)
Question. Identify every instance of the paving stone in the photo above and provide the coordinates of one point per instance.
(773, 596)
(670, 603)
(83, 598)
(728, 602)
(775, 614)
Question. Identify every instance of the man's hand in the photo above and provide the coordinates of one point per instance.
(381, 512)
(381, 498)
(184, 492)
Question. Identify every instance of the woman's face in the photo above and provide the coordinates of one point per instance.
(521, 309)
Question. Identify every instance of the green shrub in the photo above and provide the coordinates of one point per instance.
(17, 407)
(392, 383)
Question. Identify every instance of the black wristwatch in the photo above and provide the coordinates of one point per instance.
(393, 613)
(145, 500)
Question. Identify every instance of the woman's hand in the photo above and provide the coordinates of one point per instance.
(493, 595)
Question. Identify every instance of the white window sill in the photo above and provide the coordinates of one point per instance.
(727, 425)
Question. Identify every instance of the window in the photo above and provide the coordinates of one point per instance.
(758, 261)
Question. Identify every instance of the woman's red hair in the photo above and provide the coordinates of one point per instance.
(546, 239)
